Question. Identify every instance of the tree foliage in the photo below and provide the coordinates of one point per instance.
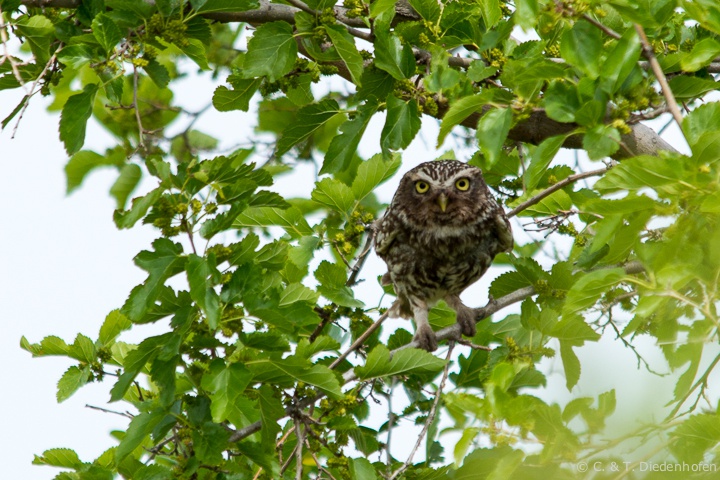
(269, 363)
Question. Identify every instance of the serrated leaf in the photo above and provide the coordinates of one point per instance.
(601, 141)
(195, 51)
(308, 119)
(162, 263)
(334, 194)
(74, 117)
(459, 111)
(271, 411)
(581, 47)
(703, 53)
(157, 72)
(201, 288)
(297, 292)
(271, 51)
(392, 56)
(71, 381)
(126, 182)
(138, 209)
(115, 323)
(586, 291)
(76, 56)
(541, 158)
(409, 360)
(226, 100)
(140, 427)
(106, 32)
(401, 125)
(226, 384)
(332, 280)
(207, 6)
(573, 330)
(492, 130)
(372, 173)
(291, 219)
(298, 369)
(343, 147)
(345, 46)
(59, 457)
(361, 469)
(620, 61)
(571, 364)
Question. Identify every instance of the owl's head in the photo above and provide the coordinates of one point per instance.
(442, 193)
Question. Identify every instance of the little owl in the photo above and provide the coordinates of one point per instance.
(438, 237)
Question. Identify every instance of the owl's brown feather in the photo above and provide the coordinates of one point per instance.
(439, 240)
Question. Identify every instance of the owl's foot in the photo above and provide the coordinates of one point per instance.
(425, 338)
(465, 315)
(466, 320)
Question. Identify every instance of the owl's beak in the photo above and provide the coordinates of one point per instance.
(443, 202)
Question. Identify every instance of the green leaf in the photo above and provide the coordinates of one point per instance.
(82, 163)
(459, 111)
(83, 349)
(297, 292)
(161, 264)
(298, 369)
(334, 194)
(573, 330)
(271, 51)
(195, 51)
(76, 56)
(586, 291)
(201, 288)
(640, 172)
(140, 427)
(71, 381)
(686, 88)
(106, 32)
(345, 46)
(492, 130)
(702, 54)
(343, 147)
(581, 46)
(291, 219)
(332, 278)
(74, 117)
(571, 365)
(308, 119)
(207, 6)
(140, 206)
(126, 182)
(372, 173)
(561, 101)
(59, 457)
(429, 10)
(271, 411)
(401, 125)
(541, 158)
(226, 384)
(620, 61)
(157, 73)
(210, 442)
(115, 323)
(226, 100)
(392, 57)
(409, 360)
(526, 13)
(361, 469)
(601, 141)
(39, 32)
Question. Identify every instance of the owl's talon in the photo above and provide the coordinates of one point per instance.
(466, 320)
(425, 338)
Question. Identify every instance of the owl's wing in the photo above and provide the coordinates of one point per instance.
(503, 232)
(384, 236)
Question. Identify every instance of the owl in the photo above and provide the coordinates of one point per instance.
(438, 236)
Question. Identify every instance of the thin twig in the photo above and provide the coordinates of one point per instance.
(105, 410)
(141, 131)
(608, 31)
(355, 269)
(360, 340)
(298, 450)
(431, 415)
(559, 185)
(647, 50)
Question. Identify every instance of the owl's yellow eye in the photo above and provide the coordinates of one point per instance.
(462, 184)
(421, 187)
